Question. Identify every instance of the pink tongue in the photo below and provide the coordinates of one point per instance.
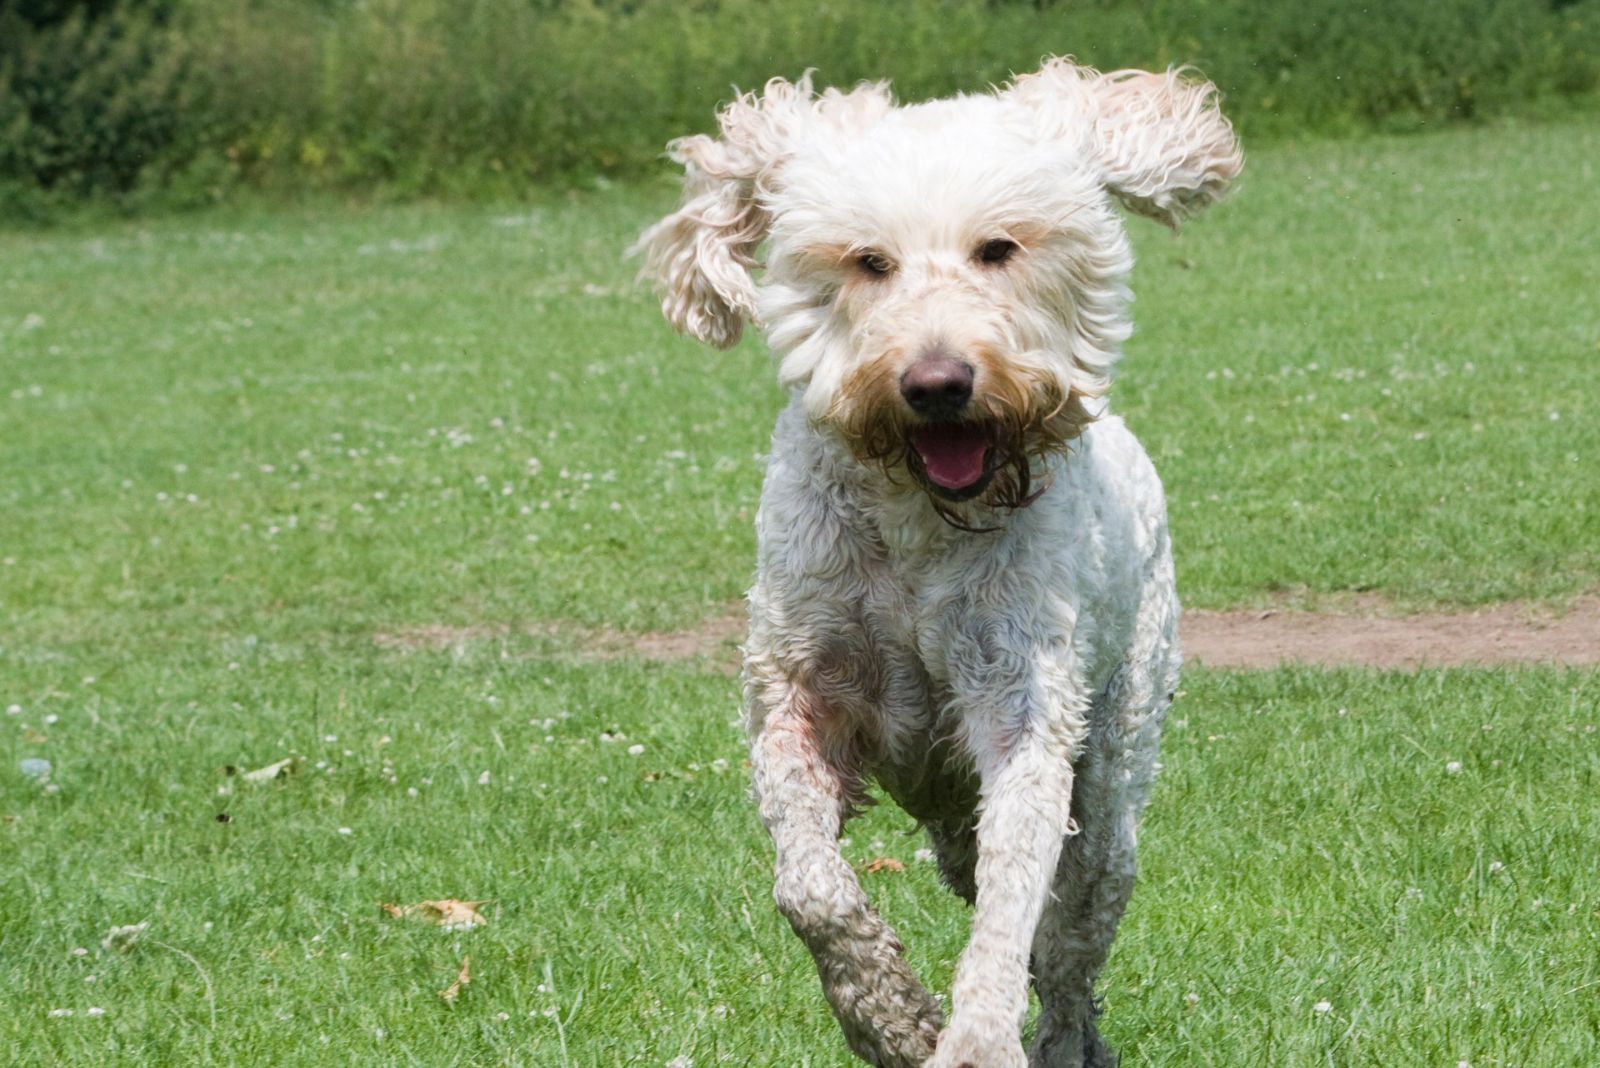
(952, 455)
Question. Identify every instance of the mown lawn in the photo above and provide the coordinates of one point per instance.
(1415, 851)
(239, 452)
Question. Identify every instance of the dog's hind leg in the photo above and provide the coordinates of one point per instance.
(1094, 879)
(955, 846)
(805, 788)
(1095, 874)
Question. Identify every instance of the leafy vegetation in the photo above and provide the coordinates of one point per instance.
(485, 97)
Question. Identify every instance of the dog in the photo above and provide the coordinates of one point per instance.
(965, 587)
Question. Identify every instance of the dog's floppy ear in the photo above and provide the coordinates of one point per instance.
(1163, 146)
(700, 257)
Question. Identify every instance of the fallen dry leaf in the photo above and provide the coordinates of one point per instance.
(873, 867)
(123, 937)
(282, 769)
(449, 994)
(448, 913)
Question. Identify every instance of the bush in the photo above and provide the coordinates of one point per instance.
(468, 95)
(92, 95)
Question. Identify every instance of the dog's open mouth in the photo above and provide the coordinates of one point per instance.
(955, 459)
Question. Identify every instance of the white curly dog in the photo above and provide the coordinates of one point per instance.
(965, 588)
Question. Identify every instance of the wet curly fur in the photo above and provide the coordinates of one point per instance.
(964, 591)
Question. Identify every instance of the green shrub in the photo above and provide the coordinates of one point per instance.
(92, 95)
(464, 96)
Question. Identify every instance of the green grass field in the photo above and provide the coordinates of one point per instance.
(239, 449)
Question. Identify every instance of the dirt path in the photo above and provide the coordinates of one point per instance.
(1364, 637)
(1500, 634)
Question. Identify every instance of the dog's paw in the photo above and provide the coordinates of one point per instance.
(978, 1047)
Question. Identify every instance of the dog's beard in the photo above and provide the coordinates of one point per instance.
(1017, 430)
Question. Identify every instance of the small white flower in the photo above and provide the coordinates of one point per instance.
(13, 710)
(96, 1011)
(1322, 1006)
(1191, 999)
(1496, 866)
(346, 830)
(502, 1016)
(58, 1013)
(1453, 767)
(680, 1062)
(635, 750)
(483, 780)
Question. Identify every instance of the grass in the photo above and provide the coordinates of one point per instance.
(238, 447)
(1369, 371)
(1308, 843)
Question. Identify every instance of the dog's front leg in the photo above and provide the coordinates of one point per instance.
(887, 1017)
(1026, 797)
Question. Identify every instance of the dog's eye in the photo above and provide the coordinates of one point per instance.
(874, 263)
(996, 251)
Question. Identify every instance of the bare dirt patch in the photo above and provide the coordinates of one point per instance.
(1366, 636)
(1495, 635)
(435, 637)
(715, 639)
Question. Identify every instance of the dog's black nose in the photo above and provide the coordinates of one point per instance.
(938, 387)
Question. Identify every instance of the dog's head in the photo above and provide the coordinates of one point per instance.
(946, 283)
